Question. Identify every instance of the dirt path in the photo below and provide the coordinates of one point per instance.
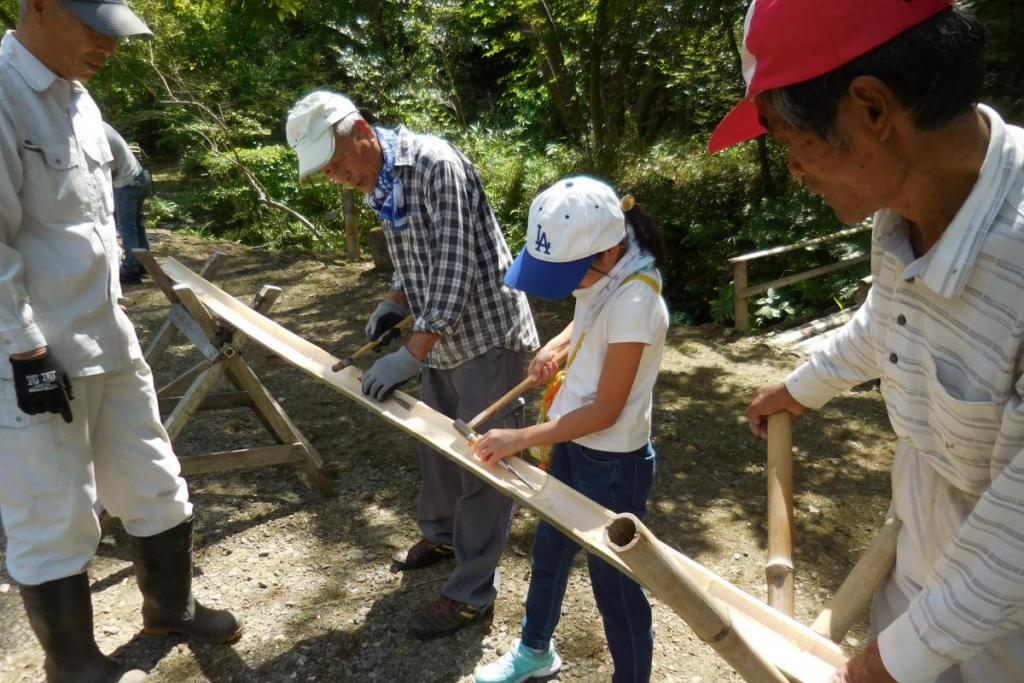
(310, 575)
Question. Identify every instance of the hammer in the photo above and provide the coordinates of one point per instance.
(370, 346)
(469, 430)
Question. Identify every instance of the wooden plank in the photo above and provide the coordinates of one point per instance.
(184, 380)
(277, 422)
(219, 401)
(164, 337)
(224, 461)
(262, 302)
(193, 331)
(805, 275)
(774, 251)
(796, 650)
(193, 398)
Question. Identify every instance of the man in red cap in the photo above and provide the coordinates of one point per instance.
(875, 102)
(79, 420)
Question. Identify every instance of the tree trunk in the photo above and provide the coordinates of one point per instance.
(597, 122)
(552, 61)
(768, 188)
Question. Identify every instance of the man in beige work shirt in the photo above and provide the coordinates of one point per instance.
(875, 102)
(78, 413)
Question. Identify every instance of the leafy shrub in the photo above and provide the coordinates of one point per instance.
(224, 204)
(710, 209)
(513, 172)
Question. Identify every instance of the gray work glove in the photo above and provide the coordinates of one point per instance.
(389, 373)
(382, 322)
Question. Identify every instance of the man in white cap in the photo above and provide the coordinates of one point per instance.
(875, 102)
(79, 421)
(470, 334)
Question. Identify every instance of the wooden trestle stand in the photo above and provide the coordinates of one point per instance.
(762, 643)
(222, 346)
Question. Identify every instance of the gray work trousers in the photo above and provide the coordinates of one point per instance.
(455, 506)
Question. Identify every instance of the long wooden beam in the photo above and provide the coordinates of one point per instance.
(793, 649)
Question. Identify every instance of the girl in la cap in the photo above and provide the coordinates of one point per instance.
(583, 240)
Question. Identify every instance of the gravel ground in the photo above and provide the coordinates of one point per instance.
(310, 575)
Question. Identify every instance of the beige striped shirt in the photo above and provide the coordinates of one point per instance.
(945, 333)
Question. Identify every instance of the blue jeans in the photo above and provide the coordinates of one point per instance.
(620, 482)
(128, 202)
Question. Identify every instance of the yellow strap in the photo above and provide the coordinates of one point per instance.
(649, 279)
(576, 349)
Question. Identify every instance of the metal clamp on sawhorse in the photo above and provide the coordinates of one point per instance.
(222, 349)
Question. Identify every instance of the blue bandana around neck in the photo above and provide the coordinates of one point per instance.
(387, 199)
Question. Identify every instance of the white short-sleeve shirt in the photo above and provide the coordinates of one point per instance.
(634, 313)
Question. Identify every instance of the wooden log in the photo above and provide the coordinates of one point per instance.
(775, 251)
(351, 225)
(378, 244)
(860, 586)
(708, 618)
(805, 275)
(779, 566)
(797, 651)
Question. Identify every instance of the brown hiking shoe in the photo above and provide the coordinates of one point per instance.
(422, 554)
(443, 615)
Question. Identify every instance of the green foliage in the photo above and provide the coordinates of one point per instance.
(530, 90)
(513, 172)
(229, 206)
(710, 209)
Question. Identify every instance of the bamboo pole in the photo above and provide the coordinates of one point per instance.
(861, 584)
(708, 618)
(778, 568)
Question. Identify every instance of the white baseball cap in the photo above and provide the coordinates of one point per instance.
(310, 128)
(570, 223)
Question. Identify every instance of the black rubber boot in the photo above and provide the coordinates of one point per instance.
(60, 613)
(163, 569)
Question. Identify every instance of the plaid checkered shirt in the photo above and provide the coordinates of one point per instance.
(451, 258)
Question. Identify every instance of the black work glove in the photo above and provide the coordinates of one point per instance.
(42, 385)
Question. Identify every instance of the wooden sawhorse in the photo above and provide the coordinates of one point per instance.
(222, 347)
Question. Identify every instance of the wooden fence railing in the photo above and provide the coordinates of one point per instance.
(742, 291)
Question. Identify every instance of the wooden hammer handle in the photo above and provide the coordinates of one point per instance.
(513, 393)
(370, 346)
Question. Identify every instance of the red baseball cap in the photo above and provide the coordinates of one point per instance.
(791, 41)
